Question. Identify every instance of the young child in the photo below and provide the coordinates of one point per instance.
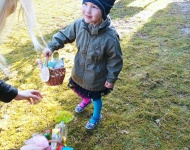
(98, 60)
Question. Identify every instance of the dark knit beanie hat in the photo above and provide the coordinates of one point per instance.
(104, 5)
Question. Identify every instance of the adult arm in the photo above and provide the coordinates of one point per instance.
(7, 92)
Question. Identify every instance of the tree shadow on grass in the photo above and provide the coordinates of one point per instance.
(158, 44)
(125, 9)
(122, 11)
(155, 75)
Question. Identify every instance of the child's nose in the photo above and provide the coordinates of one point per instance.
(88, 10)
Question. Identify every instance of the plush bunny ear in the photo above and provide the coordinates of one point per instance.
(5, 11)
(2, 2)
(3, 65)
(31, 21)
(9, 6)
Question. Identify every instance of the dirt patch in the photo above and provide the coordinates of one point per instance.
(185, 6)
(184, 11)
(185, 30)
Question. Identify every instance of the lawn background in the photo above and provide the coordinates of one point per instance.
(150, 105)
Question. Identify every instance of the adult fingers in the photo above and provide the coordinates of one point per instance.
(29, 100)
(37, 93)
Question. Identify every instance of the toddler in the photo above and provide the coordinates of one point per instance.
(98, 60)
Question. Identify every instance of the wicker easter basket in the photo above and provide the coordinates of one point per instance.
(56, 76)
(52, 77)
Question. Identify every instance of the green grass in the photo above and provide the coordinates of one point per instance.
(150, 105)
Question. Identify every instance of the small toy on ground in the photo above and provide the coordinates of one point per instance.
(52, 139)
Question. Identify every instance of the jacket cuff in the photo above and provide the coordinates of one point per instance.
(8, 93)
(51, 47)
(13, 93)
(112, 81)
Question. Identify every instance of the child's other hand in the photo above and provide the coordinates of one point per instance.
(47, 52)
(32, 96)
(108, 85)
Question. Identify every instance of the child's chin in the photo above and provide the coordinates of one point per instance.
(87, 21)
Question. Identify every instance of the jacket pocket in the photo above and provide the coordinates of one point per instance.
(97, 55)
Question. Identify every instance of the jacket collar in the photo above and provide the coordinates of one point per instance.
(95, 30)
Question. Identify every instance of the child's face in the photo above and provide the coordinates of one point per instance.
(91, 13)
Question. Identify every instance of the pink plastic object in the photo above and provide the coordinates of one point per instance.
(37, 142)
(40, 63)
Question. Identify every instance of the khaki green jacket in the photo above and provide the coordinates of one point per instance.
(99, 56)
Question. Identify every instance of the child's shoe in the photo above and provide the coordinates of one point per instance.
(90, 125)
(79, 108)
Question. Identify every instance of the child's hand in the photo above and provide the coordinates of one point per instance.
(33, 96)
(47, 52)
(108, 85)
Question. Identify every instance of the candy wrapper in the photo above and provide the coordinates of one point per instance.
(59, 134)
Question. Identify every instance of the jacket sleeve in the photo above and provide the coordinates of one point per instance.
(65, 36)
(7, 92)
(114, 60)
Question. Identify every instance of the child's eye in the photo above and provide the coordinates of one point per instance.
(95, 7)
(84, 4)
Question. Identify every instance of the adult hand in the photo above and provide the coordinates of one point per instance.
(108, 85)
(32, 96)
(47, 52)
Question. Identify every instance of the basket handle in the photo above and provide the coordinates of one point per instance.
(55, 56)
(46, 61)
(54, 141)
